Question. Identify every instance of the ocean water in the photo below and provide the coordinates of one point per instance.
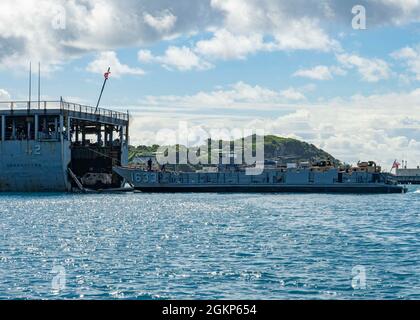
(210, 246)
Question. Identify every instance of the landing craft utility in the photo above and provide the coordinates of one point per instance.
(318, 177)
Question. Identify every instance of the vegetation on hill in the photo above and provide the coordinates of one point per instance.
(141, 151)
(294, 150)
(275, 148)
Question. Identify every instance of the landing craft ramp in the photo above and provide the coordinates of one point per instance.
(40, 140)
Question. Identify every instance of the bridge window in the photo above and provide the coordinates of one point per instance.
(20, 128)
(48, 127)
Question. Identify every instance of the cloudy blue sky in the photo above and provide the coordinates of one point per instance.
(293, 68)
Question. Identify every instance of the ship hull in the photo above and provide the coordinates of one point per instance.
(154, 184)
(33, 166)
(272, 189)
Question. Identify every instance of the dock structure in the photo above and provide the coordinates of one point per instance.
(41, 140)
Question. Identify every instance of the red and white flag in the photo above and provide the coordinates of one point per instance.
(106, 74)
(396, 165)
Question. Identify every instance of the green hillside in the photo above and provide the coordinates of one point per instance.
(280, 148)
(275, 148)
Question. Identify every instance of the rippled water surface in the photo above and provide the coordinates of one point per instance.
(205, 246)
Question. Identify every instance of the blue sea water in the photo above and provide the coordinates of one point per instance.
(210, 246)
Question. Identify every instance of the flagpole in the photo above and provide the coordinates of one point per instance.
(103, 87)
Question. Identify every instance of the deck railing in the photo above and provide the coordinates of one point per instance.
(62, 105)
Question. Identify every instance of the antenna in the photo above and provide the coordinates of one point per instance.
(30, 84)
(106, 75)
(39, 85)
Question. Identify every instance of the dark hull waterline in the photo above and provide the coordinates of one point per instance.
(274, 189)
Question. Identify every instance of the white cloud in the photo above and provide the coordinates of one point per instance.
(316, 73)
(238, 96)
(162, 22)
(371, 70)
(292, 94)
(405, 53)
(145, 56)
(411, 57)
(290, 31)
(320, 72)
(250, 27)
(28, 28)
(244, 92)
(304, 34)
(27, 32)
(225, 45)
(183, 59)
(400, 11)
(109, 59)
(4, 95)
(255, 13)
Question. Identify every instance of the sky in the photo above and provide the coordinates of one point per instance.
(341, 74)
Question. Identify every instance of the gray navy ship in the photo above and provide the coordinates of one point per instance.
(321, 177)
(60, 146)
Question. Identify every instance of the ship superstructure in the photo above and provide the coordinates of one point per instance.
(408, 175)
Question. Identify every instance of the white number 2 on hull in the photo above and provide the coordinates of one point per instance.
(37, 149)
